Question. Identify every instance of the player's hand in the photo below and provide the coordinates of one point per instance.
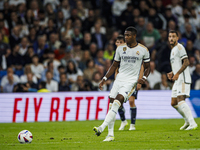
(139, 86)
(101, 84)
(170, 75)
(175, 77)
(141, 81)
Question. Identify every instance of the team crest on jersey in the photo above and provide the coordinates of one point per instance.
(124, 49)
(138, 53)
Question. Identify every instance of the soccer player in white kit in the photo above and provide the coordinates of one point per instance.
(130, 57)
(181, 75)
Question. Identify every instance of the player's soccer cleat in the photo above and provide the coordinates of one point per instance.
(192, 127)
(109, 138)
(97, 130)
(184, 126)
(132, 127)
(123, 124)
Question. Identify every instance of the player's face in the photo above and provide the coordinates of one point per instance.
(173, 39)
(118, 42)
(129, 37)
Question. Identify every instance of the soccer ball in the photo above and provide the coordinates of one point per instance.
(25, 136)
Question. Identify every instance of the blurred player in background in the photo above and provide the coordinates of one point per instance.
(133, 110)
(181, 75)
(130, 57)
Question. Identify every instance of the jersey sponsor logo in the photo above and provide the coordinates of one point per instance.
(129, 59)
(138, 53)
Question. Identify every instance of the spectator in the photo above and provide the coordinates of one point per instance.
(99, 38)
(32, 38)
(14, 37)
(50, 12)
(164, 84)
(195, 75)
(154, 76)
(23, 46)
(51, 84)
(5, 79)
(109, 52)
(36, 67)
(8, 87)
(53, 71)
(61, 69)
(40, 46)
(77, 52)
(157, 19)
(96, 78)
(82, 12)
(63, 85)
(51, 57)
(66, 30)
(182, 40)
(60, 19)
(54, 42)
(150, 36)
(31, 86)
(15, 58)
(186, 20)
(140, 28)
(169, 16)
(192, 64)
(29, 18)
(197, 85)
(189, 34)
(42, 88)
(89, 22)
(54, 3)
(35, 8)
(85, 43)
(101, 29)
(189, 48)
(3, 48)
(65, 7)
(197, 41)
(159, 7)
(24, 78)
(176, 8)
(43, 19)
(85, 57)
(50, 28)
(73, 72)
(88, 72)
(118, 7)
(126, 18)
(78, 85)
(93, 50)
(60, 53)
(100, 60)
(144, 8)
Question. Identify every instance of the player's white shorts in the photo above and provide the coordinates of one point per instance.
(124, 88)
(180, 88)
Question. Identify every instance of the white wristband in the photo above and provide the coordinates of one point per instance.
(105, 78)
(144, 77)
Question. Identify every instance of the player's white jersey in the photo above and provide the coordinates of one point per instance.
(178, 53)
(130, 61)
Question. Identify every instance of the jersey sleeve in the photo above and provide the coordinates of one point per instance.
(117, 54)
(146, 57)
(182, 52)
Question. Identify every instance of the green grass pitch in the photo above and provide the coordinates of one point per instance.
(150, 134)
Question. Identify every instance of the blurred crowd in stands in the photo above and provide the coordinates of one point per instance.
(68, 45)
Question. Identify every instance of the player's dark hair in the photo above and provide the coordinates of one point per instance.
(132, 29)
(173, 31)
(120, 37)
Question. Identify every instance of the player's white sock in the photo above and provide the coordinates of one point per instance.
(111, 114)
(187, 112)
(179, 109)
(111, 124)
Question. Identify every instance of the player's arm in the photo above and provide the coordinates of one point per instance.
(183, 67)
(140, 76)
(146, 73)
(111, 70)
